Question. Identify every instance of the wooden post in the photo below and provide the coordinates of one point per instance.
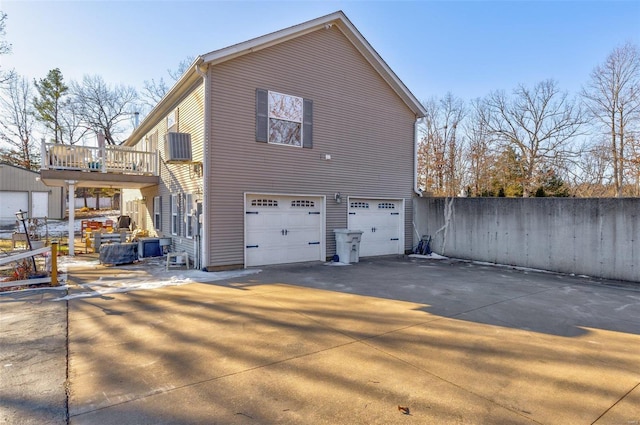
(54, 263)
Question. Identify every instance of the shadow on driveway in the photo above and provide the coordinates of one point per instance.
(307, 343)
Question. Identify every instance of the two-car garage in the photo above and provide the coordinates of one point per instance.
(293, 228)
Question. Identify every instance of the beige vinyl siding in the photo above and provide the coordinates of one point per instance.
(178, 178)
(357, 118)
(16, 179)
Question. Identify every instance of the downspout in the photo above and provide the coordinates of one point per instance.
(203, 71)
(416, 188)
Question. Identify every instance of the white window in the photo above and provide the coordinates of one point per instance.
(152, 142)
(136, 213)
(157, 213)
(172, 121)
(189, 215)
(285, 119)
(174, 214)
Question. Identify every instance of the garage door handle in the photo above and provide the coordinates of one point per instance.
(352, 213)
(395, 239)
(395, 213)
(252, 212)
(314, 212)
(314, 243)
(284, 232)
(252, 246)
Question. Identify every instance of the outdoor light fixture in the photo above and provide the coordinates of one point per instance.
(338, 197)
(21, 216)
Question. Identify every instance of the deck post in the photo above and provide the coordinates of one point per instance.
(72, 214)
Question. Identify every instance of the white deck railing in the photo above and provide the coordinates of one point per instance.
(107, 159)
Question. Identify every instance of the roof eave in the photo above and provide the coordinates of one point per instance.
(338, 18)
(167, 103)
(346, 27)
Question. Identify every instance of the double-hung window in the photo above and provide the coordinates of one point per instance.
(189, 215)
(283, 119)
(157, 212)
(174, 215)
(172, 121)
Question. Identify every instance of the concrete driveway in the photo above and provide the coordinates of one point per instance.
(453, 342)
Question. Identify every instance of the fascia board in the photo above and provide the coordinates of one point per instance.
(346, 27)
(268, 40)
(376, 61)
(219, 56)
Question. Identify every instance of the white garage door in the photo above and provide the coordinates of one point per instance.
(39, 204)
(10, 202)
(381, 222)
(283, 229)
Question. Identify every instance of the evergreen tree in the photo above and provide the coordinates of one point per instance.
(50, 103)
(553, 185)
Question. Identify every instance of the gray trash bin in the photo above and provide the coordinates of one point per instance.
(348, 245)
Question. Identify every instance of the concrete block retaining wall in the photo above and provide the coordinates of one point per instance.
(594, 237)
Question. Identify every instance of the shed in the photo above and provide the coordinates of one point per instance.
(21, 189)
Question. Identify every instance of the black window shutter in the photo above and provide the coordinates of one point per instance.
(307, 124)
(262, 115)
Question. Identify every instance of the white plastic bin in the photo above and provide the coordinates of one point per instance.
(348, 245)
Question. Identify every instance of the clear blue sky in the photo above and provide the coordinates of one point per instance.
(467, 48)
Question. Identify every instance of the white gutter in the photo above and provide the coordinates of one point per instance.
(204, 234)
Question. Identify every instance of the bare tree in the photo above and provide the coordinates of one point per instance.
(16, 126)
(539, 124)
(73, 128)
(154, 90)
(439, 150)
(592, 177)
(104, 108)
(5, 48)
(612, 97)
(182, 67)
(480, 151)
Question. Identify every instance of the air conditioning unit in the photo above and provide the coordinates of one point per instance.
(178, 147)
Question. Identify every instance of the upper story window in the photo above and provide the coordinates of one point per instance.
(172, 121)
(283, 119)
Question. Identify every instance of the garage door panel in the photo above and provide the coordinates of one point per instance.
(283, 229)
(10, 202)
(381, 224)
(39, 204)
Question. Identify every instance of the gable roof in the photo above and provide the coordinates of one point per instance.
(337, 19)
(7, 164)
(341, 22)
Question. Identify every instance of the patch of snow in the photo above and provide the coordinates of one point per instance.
(56, 228)
(336, 263)
(432, 256)
(121, 284)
